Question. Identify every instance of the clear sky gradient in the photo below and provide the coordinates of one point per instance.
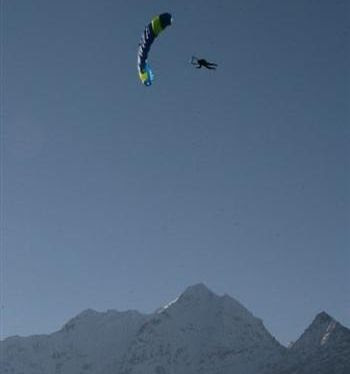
(118, 196)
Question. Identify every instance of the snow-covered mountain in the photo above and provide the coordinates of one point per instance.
(199, 332)
(324, 348)
(202, 333)
(91, 342)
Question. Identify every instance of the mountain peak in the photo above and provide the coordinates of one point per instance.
(198, 294)
(201, 331)
(198, 289)
(199, 299)
(317, 334)
(323, 317)
(323, 348)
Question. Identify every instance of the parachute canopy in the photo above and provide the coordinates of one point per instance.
(157, 25)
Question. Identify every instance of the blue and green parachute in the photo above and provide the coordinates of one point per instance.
(157, 25)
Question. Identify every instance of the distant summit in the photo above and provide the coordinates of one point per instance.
(318, 334)
(323, 348)
(199, 290)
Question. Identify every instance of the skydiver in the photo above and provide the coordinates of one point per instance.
(199, 62)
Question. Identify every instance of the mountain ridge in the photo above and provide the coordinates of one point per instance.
(199, 331)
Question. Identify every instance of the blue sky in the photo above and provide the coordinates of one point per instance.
(119, 196)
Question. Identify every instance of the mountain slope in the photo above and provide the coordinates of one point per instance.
(202, 333)
(92, 342)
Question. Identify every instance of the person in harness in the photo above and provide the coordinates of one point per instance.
(201, 62)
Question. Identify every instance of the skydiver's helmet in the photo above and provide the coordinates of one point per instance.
(194, 60)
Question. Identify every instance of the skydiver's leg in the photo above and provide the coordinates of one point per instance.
(210, 67)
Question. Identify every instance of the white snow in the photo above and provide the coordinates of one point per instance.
(198, 332)
(329, 330)
(165, 307)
